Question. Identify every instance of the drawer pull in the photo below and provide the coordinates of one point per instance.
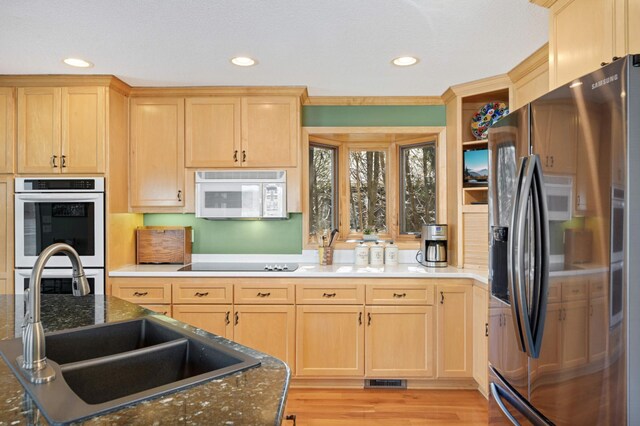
(237, 318)
(264, 294)
(399, 295)
(360, 318)
(140, 294)
(575, 290)
(442, 297)
(226, 318)
(164, 312)
(198, 294)
(368, 318)
(328, 294)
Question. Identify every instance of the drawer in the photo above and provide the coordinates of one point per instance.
(575, 290)
(332, 295)
(555, 292)
(142, 292)
(597, 287)
(199, 291)
(257, 293)
(161, 309)
(407, 294)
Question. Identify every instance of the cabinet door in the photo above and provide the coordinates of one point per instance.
(399, 341)
(551, 354)
(157, 152)
(454, 304)
(329, 341)
(480, 338)
(269, 329)
(83, 130)
(588, 159)
(212, 132)
(270, 127)
(581, 37)
(6, 235)
(555, 129)
(215, 319)
(39, 130)
(7, 129)
(598, 331)
(575, 320)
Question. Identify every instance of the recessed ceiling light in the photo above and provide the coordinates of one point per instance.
(243, 61)
(405, 61)
(77, 62)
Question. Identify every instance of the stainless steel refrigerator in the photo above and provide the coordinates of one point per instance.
(564, 233)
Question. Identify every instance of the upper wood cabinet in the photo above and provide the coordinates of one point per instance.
(212, 132)
(157, 152)
(586, 33)
(61, 130)
(270, 131)
(6, 235)
(7, 129)
(255, 131)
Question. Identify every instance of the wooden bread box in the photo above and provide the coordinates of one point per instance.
(163, 244)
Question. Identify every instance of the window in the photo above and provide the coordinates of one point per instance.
(367, 191)
(322, 188)
(361, 182)
(417, 187)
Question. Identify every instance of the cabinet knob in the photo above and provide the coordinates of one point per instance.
(368, 318)
(486, 329)
(360, 318)
(179, 195)
(235, 156)
(198, 294)
(328, 294)
(226, 318)
(140, 294)
(237, 318)
(53, 160)
(264, 294)
(399, 295)
(244, 155)
(64, 161)
(442, 297)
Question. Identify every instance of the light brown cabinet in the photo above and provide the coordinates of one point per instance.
(330, 340)
(454, 309)
(253, 131)
(6, 235)
(157, 153)
(585, 33)
(481, 338)
(557, 122)
(61, 130)
(215, 319)
(7, 129)
(399, 341)
(267, 328)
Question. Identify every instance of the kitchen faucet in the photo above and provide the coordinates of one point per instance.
(33, 361)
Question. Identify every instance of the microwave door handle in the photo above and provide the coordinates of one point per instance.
(513, 272)
(59, 197)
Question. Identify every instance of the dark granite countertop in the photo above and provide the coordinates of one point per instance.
(252, 397)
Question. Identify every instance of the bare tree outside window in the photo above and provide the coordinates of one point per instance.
(368, 192)
(418, 187)
(322, 188)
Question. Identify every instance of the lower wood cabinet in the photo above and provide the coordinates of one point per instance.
(399, 341)
(481, 338)
(215, 319)
(269, 329)
(161, 309)
(454, 306)
(330, 340)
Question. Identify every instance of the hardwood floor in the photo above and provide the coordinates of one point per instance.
(382, 407)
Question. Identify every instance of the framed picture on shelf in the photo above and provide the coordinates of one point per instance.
(476, 167)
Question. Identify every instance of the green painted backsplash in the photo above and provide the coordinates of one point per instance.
(237, 236)
(373, 115)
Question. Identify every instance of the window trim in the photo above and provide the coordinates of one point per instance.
(335, 180)
(327, 136)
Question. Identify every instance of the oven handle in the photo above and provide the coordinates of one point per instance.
(59, 197)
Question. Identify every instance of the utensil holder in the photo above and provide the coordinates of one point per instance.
(326, 255)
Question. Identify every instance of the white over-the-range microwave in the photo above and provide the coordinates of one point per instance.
(244, 194)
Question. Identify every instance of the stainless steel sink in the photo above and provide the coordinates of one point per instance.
(104, 367)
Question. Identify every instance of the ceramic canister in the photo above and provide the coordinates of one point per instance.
(391, 254)
(362, 254)
(377, 254)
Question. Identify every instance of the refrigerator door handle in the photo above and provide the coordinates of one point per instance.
(501, 392)
(514, 254)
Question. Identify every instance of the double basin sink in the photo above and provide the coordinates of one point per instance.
(101, 368)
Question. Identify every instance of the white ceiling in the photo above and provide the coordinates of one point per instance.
(334, 47)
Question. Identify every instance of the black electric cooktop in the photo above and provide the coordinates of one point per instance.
(239, 267)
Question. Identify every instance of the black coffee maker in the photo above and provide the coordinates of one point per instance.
(434, 245)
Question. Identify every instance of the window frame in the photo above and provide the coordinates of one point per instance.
(339, 137)
(335, 181)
